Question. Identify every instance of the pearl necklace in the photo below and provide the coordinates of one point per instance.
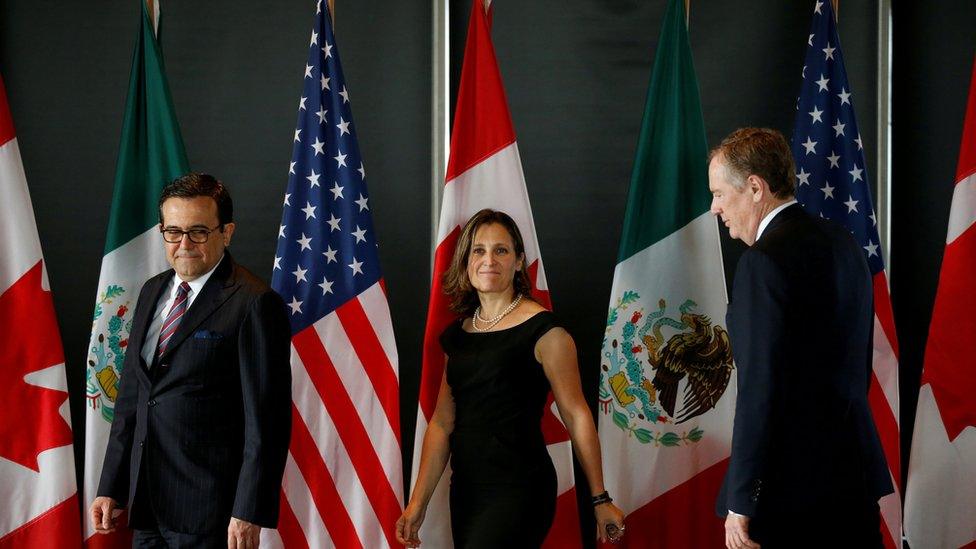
(491, 322)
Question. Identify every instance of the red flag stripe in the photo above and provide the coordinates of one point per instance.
(967, 150)
(56, 527)
(354, 437)
(320, 483)
(439, 318)
(6, 120)
(482, 127)
(656, 520)
(882, 310)
(887, 428)
(289, 529)
(375, 363)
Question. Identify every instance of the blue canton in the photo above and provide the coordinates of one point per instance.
(326, 244)
(832, 179)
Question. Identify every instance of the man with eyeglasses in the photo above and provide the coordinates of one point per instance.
(202, 422)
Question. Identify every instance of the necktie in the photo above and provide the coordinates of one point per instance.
(173, 318)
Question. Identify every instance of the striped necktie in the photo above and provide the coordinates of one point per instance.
(173, 319)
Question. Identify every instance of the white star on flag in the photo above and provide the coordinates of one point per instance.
(305, 242)
(803, 177)
(313, 178)
(810, 145)
(356, 266)
(333, 223)
(336, 191)
(360, 234)
(326, 286)
(318, 146)
(362, 202)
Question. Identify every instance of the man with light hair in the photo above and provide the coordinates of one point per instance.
(800, 319)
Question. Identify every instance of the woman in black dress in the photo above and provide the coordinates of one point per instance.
(504, 354)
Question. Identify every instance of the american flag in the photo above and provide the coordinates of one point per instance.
(343, 482)
(832, 182)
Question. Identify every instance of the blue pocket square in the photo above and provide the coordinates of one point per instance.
(207, 334)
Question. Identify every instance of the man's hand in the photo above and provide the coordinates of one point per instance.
(103, 512)
(241, 534)
(737, 532)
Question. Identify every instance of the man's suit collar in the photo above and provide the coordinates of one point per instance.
(790, 212)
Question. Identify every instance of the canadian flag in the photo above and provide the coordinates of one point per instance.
(941, 491)
(485, 171)
(37, 466)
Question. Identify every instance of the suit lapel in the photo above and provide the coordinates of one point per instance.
(143, 317)
(215, 292)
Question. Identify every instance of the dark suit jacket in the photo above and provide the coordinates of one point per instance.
(801, 322)
(208, 427)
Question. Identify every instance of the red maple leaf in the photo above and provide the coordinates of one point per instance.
(30, 422)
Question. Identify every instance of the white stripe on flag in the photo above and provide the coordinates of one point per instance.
(324, 433)
(962, 214)
(20, 247)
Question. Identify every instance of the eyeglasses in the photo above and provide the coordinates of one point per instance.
(197, 236)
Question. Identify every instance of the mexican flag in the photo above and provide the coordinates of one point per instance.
(151, 155)
(665, 422)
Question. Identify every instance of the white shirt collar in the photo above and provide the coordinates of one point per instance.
(769, 217)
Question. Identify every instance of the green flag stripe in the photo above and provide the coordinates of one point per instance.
(669, 185)
(151, 152)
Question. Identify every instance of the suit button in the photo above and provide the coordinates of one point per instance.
(141, 443)
(152, 403)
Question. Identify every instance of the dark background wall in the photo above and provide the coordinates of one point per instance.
(576, 74)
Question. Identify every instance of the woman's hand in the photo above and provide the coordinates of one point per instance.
(608, 514)
(408, 525)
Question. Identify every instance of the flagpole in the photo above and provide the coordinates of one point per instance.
(688, 14)
(836, 5)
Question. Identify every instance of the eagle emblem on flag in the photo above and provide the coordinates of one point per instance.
(108, 352)
(650, 357)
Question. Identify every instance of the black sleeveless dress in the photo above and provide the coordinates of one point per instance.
(503, 490)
